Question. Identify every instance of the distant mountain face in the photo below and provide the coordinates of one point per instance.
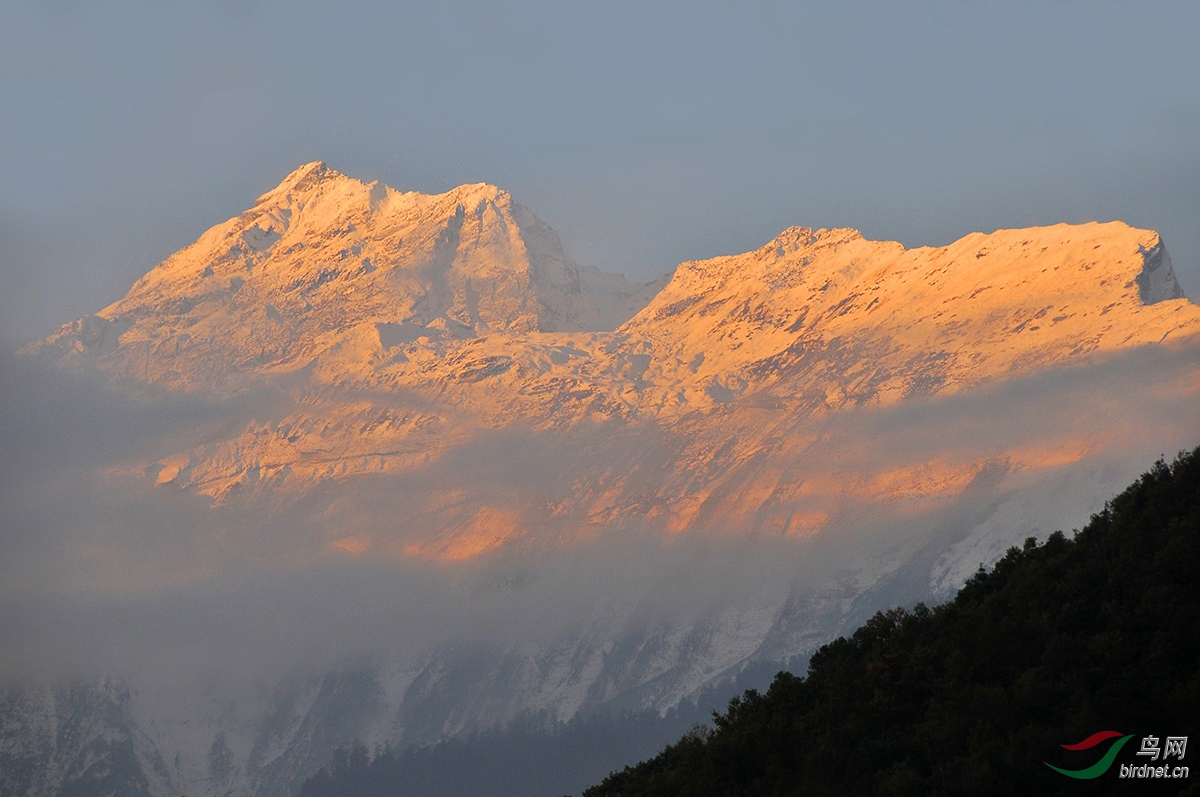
(448, 388)
(324, 259)
(405, 325)
(378, 288)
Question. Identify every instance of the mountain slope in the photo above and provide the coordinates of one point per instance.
(866, 321)
(76, 739)
(322, 255)
(531, 486)
(1057, 642)
(404, 327)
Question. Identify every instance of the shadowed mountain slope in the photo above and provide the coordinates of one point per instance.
(1056, 642)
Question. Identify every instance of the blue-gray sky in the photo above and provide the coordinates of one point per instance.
(645, 133)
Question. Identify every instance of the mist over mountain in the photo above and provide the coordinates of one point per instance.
(365, 466)
(977, 695)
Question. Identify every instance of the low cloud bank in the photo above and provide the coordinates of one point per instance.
(103, 573)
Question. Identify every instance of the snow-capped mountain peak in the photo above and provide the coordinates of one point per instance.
(322, 255)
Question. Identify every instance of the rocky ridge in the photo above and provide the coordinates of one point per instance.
(405, 324)
(323, 260)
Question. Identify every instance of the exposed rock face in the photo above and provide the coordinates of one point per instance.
(408, 321)
(324, 257)
(459, 388)
(76, 739)
(866, 321)
(90, 738)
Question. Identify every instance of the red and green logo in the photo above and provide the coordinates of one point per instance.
(1100, 767)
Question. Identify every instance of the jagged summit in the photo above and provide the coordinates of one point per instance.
(301, 178)
(467, 300)
(308, 176)
(323, 257)
(871, 319)
(1156, 278)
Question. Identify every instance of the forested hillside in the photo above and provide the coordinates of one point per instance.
(1057, 642)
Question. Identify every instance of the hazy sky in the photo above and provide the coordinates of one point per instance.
(645, 133)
